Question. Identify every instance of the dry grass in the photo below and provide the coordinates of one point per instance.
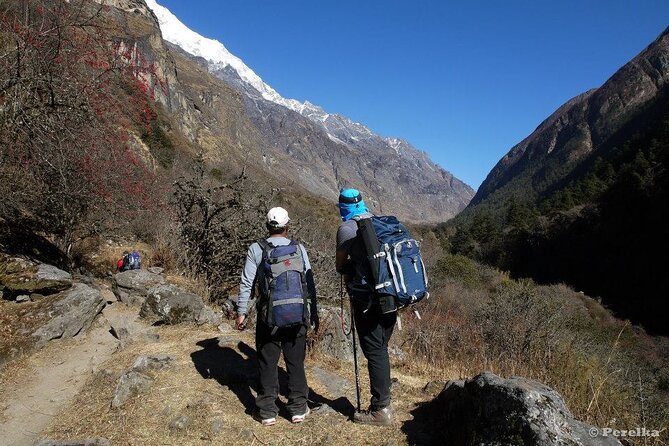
(101, 259)
(17, 323)
(182, 390)
(608, 372)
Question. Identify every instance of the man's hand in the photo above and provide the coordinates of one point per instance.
(241, 322)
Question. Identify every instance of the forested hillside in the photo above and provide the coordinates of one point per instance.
(586, 211)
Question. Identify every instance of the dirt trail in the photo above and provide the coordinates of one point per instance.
(205, 397)
(46, 382)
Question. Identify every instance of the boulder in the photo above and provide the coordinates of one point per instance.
(331, 339)
(71, 314)
(130, 384)
(131, 287)
(123, 326)
(170, 304)
(490, 410)
(24, 277)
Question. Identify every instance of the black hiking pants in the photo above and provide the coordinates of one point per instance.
(374, 331)
(292, 342)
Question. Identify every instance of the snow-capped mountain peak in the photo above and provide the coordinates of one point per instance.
(338, 128)
(174, 31)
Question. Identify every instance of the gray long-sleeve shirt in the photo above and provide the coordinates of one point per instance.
(254, 259)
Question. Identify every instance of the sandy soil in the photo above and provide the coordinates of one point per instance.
(36, 389)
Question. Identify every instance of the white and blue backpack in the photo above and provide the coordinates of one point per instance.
(396, 265)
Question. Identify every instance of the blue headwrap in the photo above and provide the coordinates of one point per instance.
(351, 204)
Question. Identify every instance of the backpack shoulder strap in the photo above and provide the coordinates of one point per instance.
(265, 245)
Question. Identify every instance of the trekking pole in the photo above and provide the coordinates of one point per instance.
(355, 359)
(352, 333)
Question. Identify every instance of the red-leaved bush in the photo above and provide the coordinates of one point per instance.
(71, 94)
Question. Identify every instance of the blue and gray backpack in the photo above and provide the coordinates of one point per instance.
(396, 265)
(282, 284)
(131, 261)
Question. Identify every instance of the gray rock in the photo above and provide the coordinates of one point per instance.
(246, 433)
(83, 442)
(131, 287)
(224, 327)
(331, 338)
(224, 341)
(22, 298)
(123, 326)
(180, 423)
(172, 305)
(51, 273)
(217, 425)
(130, 384)
(21, 276)
(333, 383)
(155, 269)
(489, 410)
(153, 362)
(71, 314)
(323, 409)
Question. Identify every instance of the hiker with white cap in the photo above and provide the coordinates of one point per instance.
(279, 268)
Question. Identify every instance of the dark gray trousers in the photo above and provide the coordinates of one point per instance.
(292, 342)
(374, 331)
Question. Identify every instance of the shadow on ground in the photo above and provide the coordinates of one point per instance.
(425, 426)
(236, 369)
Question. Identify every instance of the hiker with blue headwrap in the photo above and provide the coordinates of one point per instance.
(351, 204)
(374, 320)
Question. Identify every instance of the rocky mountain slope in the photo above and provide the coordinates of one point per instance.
(580, 128)
(298, 143)
(583, 199)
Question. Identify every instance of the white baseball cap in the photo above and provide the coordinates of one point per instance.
(277, 217)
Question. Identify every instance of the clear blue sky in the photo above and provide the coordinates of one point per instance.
(464, 80)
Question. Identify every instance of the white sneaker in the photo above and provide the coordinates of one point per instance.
(265, 421)
(300, 417)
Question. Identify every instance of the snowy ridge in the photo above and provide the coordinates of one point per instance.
(338, 128)
(174, 31)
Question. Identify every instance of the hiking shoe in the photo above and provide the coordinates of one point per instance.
(381, 417)
(298, 418)
(271, 421)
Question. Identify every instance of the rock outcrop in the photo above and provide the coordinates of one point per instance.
(581, 126)
(489, 410)
(19, 277)
(212, 107)
(331, 339)
(131, 287)
(71, 314)
(170, 304)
